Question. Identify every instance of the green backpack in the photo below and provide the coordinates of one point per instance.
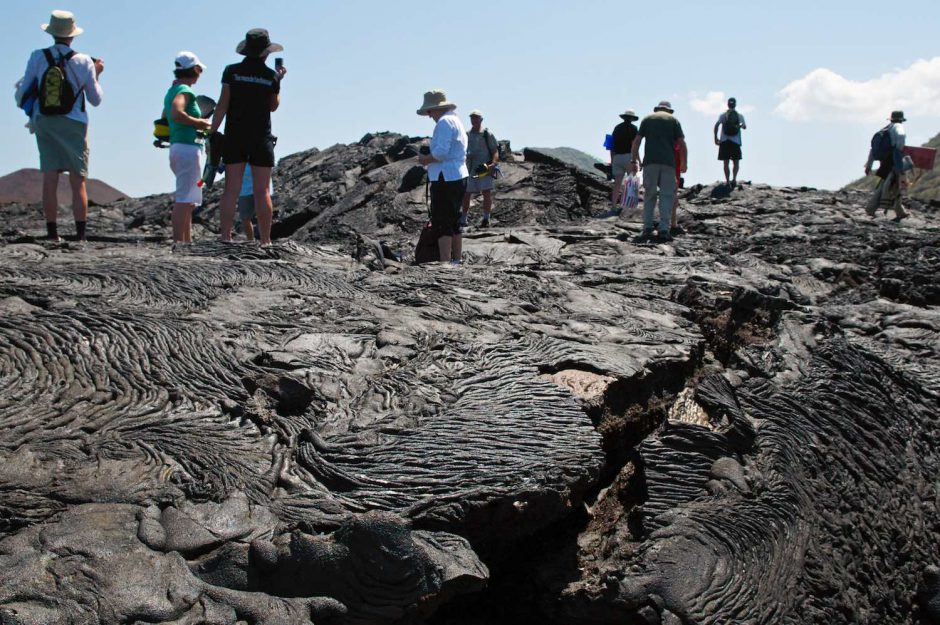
(732, 125)
(56, 95)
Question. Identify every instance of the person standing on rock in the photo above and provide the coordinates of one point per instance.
(185, 121)
(662, 132)
(447, 172)
(731, 123)
(250, 93)
(620, 154)
(887, 148)
(62, 81)
(482, 157)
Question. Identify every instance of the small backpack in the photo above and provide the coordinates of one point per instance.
(732, 124)
(56, 95)
(881, 144)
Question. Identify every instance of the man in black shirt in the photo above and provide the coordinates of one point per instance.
(623, 136)
(250, 93)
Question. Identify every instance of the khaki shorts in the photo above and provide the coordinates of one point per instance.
(478, 185)
(63, 144)
(621, 164)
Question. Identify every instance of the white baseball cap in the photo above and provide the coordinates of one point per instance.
(187, 60)
(476, 113)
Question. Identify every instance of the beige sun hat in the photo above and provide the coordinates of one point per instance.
(629, 114)
(476, 113)
(664, 105)
(435, 99)
(62, 24)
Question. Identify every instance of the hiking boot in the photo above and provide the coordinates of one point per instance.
(664, 237)
(485, 223)
(677, 231)
(646, 235)
(898, 218)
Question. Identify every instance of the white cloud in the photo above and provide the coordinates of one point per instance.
(823, 94)
(714, 103)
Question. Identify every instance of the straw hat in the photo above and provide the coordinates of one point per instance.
(664, 105)
(435, 99)
(62, 25)
(628, 115)
(257, 43)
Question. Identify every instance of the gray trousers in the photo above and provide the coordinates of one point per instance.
(658, 181)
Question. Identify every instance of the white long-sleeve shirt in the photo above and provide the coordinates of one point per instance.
(80, 72)
(449, 146)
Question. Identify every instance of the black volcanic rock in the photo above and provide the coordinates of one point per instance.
(572, 427)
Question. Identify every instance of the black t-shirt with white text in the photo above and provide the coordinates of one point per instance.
(251, 84)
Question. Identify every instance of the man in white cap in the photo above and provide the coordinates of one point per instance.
(62, 81)
(447, 172)
(482, 157)
(662, 133)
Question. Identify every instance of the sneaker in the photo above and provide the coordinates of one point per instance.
(898, 219)
(485, 223)
(646, 235)
(664, 237)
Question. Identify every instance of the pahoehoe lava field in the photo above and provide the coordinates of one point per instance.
(571, 428)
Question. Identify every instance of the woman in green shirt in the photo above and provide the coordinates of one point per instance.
(185, 121)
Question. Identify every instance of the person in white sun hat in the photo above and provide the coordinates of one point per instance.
(447, 172)
(61, 81)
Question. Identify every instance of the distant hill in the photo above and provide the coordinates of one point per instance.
(24, 186)
(574, 157)
(927, 186)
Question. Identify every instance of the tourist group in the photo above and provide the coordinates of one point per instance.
(59, 83)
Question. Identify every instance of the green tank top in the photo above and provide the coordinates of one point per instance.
(181, 133)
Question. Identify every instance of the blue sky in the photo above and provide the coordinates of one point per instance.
(546, 73)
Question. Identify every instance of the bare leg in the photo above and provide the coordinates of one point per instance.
(233, 185)
(736, 166)
(465, 207)
(261, 179)
(249, 229)
(188, 224)
(50, 195)
(79, 197)
(182, 213)
(727, 173)
(487, 204)
(444, 247)
(615, 191)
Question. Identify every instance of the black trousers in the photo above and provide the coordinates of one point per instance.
(446, 200)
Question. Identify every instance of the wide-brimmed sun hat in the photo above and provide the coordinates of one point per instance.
(187, 60)
(476, 113)
(257, 42)
(664, 105)
(897, 117)
(62, 24)
(435, 99)
(629, 114)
